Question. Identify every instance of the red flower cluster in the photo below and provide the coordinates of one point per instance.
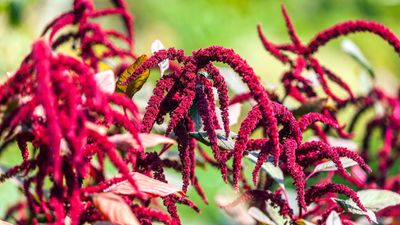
(66, 126)
(54, 103)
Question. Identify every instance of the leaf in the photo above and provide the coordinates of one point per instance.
(126, 141)
(312, 105)
(234, 114)
(333, 219)
(260, 216)
(232, 80)
(195, 116)
(375, 199)
(222, 141)
(17, 180)
(106, 81)
(142, 97)
(303, 222)
(96, 127)
(238, 213)
(233, 111)
(145, 184)
(174, 156)
(330, 165)
(352, 49)
(274, 214)
(114, 208)
(366, 84)
(104, 223)
(359, 174)
(351, 207)
(273, 171)
(155, 47)
(379, 109)
(4, 223)
(313, 78)
(150, 140)
(135, 85)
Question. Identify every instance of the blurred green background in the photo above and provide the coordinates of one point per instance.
(190, 25)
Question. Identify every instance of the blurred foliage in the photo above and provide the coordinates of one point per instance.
(14, 9)
(232, 23)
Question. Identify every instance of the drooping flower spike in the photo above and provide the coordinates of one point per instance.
(188, 73)
(59, 112)
(294, 153)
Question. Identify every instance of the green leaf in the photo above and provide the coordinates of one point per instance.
(331, 166)
(273, 213)
(312, 105)
(222, 141)
(273, 171)
(351, 207)
(195, 115)
(17, 180)
(260, 216)
(333, 219)
(352, 49)
(375, 199)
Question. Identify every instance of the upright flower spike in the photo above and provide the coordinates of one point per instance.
(307, 51)
(271, 48)
(292, 33)
(90, 33)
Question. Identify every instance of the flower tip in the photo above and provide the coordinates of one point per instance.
(283, 8)
(368, 169)
(255, 176)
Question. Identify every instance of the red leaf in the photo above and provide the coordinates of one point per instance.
(115, 209)
(104, 223)
(147, 185)
(150, 140)
(106, 81)
(125, 141)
